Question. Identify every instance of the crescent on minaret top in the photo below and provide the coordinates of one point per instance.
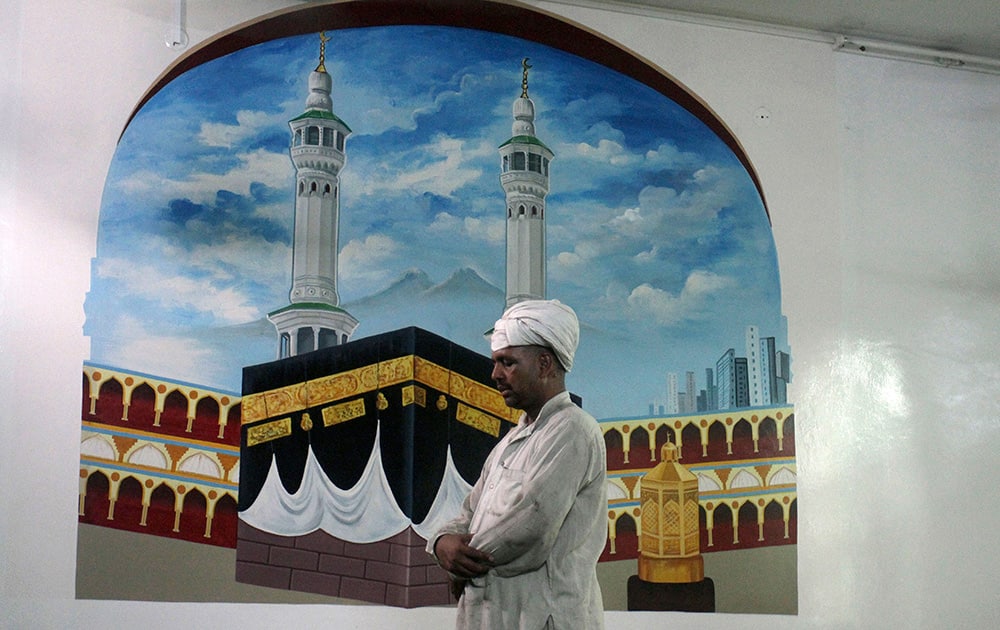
(323, 39)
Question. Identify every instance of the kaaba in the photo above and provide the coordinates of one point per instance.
(352, 455)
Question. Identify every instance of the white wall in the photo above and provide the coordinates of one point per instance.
(882, 183)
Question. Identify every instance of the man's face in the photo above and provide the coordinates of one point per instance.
(516, 370)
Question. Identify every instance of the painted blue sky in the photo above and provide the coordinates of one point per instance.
(655, 232)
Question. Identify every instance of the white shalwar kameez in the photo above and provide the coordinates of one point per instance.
(539, 508)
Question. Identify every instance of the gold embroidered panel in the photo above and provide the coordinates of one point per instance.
(478, 420)
(432, 374)
(342, 385)
(481, 396)
(343, 412)
(396, 371)
(269, 431)
(254, 409)
(413, 395)
(370, 378)
(285, 400)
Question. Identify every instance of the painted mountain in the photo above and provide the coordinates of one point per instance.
(461, 309)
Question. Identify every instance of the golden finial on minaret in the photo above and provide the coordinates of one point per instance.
(323, 39)
(524, 79)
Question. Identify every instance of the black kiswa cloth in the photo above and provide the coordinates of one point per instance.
(416, 417)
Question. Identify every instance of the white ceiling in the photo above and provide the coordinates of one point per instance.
(969, 27)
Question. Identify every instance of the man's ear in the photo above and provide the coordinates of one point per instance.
(547, 362)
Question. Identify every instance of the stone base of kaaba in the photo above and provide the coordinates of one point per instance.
(393, 572)
(682, 597)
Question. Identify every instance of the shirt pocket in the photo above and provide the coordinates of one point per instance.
(507, 490)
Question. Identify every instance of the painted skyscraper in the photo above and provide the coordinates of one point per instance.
(753, 366)
(524, 177)
(672, 394)
(314, 319)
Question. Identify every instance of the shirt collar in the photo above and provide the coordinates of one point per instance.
(550, 407)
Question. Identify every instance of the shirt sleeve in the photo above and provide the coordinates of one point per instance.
(522, 535)
(460, 524)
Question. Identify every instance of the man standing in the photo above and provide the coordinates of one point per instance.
(523, 552)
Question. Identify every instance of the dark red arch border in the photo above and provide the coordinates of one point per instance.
(485, 15)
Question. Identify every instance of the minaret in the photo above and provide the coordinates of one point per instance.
(524, 176)
(313, 319)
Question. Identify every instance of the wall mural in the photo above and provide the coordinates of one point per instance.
(303, 238)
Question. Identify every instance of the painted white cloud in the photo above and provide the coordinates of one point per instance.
(608, 146)
(467, 84)
(581, 265)
(571, 261)
(446, 171)
(489, 230)
(713, 188)
(601, 104)
(248, 124)
(141, 182)
(648, 256)
(583, 251)
(366, 107)
(171, 290)
(267, 262)
(365, 261)
(370, 113)
(608, 162)
(595, 163)
(668, 156)
(278, 212)
(667, 215)
(632, 222)
(179, 358)
(605, 151)
(649, 302)
(258, 166)
(441, 176)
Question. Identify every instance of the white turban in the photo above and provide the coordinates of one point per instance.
(548, 323)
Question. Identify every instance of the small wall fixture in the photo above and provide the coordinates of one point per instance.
(177, 37)
(917, 54)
